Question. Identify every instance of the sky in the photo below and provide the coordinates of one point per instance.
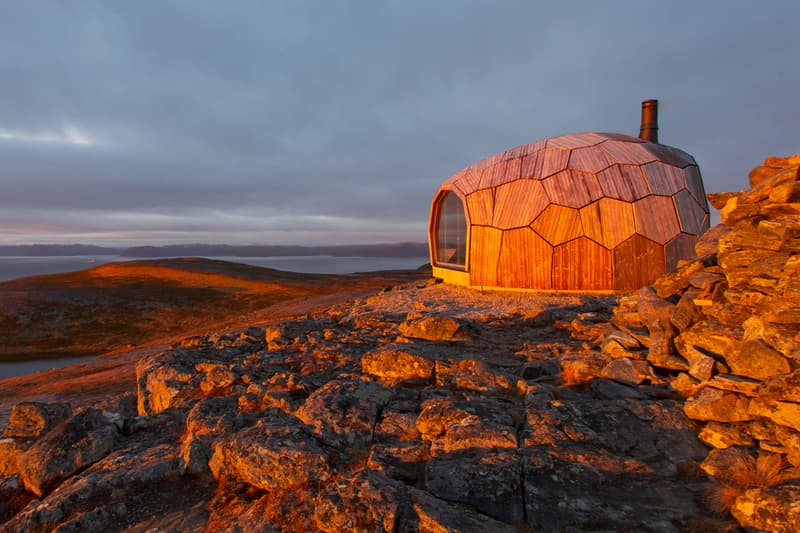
(318, 122)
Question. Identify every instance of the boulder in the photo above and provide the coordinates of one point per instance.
(783, 413)
(675, 281)
(276, 454)
(440, 416)
(393, 364)
(654, 311)
(13, 497)
(629, 371)
(343, 412)
(474, 432)
(708, 243)
(216, 379)
(780, 337)
(479, 376)
(718, 405)
(755, 359)
(365, 501)
(583, 367)
(738, 384)
(782, 387)
(83, 502)
(719, 435)
(168, 379)
(209, 419)
(431, 328)
(76, 443)
(33, 419)
(685, 384)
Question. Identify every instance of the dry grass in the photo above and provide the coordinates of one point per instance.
(746, 472)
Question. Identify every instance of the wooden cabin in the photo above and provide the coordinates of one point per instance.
(592, 212)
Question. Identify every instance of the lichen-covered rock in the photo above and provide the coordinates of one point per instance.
(275, 454)
(209, 419)
(783, 413)
(395, 364)
(13, 497)
(10, 452)
(592, 489)
(343, 412)
(479, 376)
(217, 377)
(80, 441)
(431, 328)
(167, 380)
(82, 502)
(456, 424)
(366, 501)
(438, 516)
(33, 419)
(489, 480)
(782, 387)
(769, 509)
(630, 371)
(719, 435)
(719, 405)
(755, 359)
(583, 367)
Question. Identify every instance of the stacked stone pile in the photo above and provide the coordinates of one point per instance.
(726, 329)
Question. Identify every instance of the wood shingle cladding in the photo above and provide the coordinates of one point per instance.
(584, 212)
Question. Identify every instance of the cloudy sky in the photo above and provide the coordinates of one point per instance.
(334, 122)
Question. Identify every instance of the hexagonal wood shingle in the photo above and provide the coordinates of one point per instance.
(690, 213)
(647, 267)
(510, 212)
(480, 206)
(484, 254)
(656, 218)
(572, 188)
(608, 221)
(558, 224)
(525, 260)
(582, 264)
(623, 182)
(664, 179)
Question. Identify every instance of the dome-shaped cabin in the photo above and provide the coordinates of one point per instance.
(583, 212)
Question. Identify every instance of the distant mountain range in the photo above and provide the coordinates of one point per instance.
(400, 249)
(40, 250)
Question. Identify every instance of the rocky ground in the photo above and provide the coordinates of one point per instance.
(426, 407)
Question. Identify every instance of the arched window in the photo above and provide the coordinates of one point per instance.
(451, 232)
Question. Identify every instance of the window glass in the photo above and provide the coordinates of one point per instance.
(451, 239)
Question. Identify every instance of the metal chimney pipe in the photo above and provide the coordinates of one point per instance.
(649, 128)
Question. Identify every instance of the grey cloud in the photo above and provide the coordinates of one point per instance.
(356, 111)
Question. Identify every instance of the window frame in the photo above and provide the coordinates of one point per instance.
(433, 229)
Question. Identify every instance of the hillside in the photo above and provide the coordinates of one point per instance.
(124, 304)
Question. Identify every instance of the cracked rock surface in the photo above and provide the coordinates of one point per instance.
(422, 408)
